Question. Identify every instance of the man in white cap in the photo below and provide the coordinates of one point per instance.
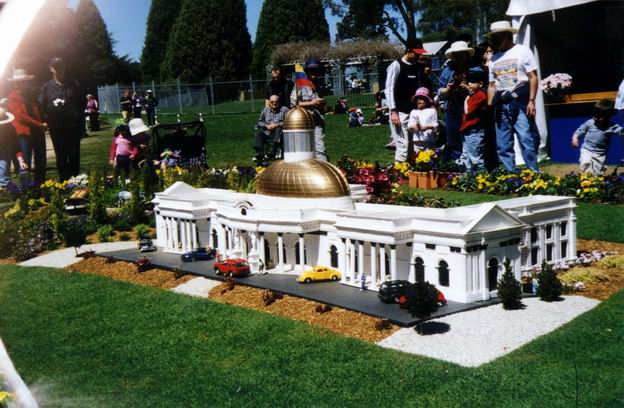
(512, 91)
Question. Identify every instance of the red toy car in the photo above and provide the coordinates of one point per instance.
(236, 268)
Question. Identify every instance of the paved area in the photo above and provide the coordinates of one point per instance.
(482, 335)
(197, 287)
(331, 293)
(67, 256)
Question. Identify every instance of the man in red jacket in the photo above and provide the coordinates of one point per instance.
(28, 125)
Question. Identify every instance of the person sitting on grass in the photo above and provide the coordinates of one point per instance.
(269, 131)
(8, 148)
(122, 151)
(423, 121)
(473, 123)
(596, 134)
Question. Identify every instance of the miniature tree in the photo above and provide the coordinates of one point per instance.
(509, 289)
(422, 301)
(549, 286)
(97, 206)
(74, 234)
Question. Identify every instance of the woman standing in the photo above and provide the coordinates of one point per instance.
(93, 112)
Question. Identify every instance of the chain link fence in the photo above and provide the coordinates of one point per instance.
(236, 96)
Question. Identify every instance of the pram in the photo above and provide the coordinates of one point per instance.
(187, 140)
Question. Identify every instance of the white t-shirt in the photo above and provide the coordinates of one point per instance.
(510, 68)
(427, 117)
(619, 99)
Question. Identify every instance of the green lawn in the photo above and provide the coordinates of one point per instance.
(91, 341)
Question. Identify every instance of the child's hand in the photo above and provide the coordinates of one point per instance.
(22, 163)
(111, 162)
(575, 142)
(131, 157)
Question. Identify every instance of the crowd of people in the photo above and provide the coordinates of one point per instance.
(133, 105)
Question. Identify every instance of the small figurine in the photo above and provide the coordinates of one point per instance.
(363, 281)
(261, 267)
(169, 158)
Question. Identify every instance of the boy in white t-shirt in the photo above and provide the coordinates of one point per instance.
(512, 91)
(423, 121)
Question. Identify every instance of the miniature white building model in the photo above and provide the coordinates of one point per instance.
(305, 214)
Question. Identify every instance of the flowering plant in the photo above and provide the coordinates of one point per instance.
(424, 160)
(556, 82)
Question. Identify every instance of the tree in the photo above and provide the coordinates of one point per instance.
(549, 286)
(208, 39)
(422, 301)
(283, 21)
(364, 19)
(94, 46)
(162, 15)
(509, 289)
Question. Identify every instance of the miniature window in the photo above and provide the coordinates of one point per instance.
(549, 252)
(215, 239)
(548, 231)
(419, 265)
(493, 274)
(564, 249)
(443, 274)
(243, 211)
(534, 254)
(430, 246)
(533, 234)
(333, 256)
(564, 229)
(455, 249)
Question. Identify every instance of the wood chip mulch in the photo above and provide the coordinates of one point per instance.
(595, 245)
(125, 271)
(338, 320)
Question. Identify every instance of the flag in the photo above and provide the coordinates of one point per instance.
(301, 79)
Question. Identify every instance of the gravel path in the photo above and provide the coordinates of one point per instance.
(478, 336)
(67, 256)
(198, 287)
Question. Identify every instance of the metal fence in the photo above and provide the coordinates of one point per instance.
(236, 96)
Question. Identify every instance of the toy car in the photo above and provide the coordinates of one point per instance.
(391, 291)
(200, 254)
(146, 245)
(404, 298)
(319, 273)
(236, 268)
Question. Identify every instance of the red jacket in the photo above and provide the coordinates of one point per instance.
(23, 121)
(476, 110)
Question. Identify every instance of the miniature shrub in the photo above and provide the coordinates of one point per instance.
(422, 301)
(141, 230)
(383, 324)
(104, 233)
(74, 233)
(124, 236)
(509, 289)
(549, 286)
(616, 261)
(97, 206)
(585, 275)
(35, 233)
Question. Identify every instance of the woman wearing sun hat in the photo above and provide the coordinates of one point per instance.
(8, 148)
(29, 126)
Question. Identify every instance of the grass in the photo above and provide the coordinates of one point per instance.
(91, 341)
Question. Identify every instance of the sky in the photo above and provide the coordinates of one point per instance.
(126, 20)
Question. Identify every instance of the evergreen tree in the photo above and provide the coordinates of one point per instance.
(95, 48)
(208, 39)
(549, 286)
(363, 20)
(162, 15)
(283, 21)
(509, 289)
(422, 301)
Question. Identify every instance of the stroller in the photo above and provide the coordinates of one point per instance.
(180, 144)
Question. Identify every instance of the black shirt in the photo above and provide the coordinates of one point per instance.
(62, 104)
(407, 81)
(281, 88)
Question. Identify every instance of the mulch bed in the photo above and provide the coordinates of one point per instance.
(595, 245)
(338, 320)
(125, 271)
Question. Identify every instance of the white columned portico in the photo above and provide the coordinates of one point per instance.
(360, 259)
(194, 235)
(342, 260)
(301, 253)
(373, 265)
(352, 262)
(261, 248)
(393, 262)
(412, 269)
(169, 227)
(184, 235)
(230, 240)
(280, 252)
(382, 263)
(485, 292)
(176, 233)
(571, 233)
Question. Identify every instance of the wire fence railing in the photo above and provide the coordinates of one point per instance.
(246, 96)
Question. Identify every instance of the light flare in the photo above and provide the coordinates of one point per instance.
(15, 18)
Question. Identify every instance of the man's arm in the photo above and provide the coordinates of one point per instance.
(393, 72)
(262, 120)
(532, 93)
(491, 92)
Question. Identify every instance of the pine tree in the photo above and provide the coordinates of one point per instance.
(94, 45)
(162, 16)
(283, 21)
(363, 20)
(208, 39)
(422, 301)
(549, 286)
(509, 289)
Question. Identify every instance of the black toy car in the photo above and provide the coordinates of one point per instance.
(146, 245)
(200, 254)
(391, 291)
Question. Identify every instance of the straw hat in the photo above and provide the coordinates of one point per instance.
(5, 117)
(459, 46)
(20, 75)
(137, 126)
(501, 26)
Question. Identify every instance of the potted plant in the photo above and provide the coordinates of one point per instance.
(556, 87)
(421, 175)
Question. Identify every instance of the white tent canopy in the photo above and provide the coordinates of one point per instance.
(526, 7)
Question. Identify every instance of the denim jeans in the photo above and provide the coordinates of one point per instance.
(473, 149)
(5, 167)
(453, 137)
(512, 117)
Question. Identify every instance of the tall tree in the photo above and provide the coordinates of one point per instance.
(162, 16)
(208, 39)
(95, 47)
(364, 19)
(283, 21)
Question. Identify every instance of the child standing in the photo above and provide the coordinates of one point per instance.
(473, 124)
(122, 151)
(8, 148)
(596, 133)
(423, 121)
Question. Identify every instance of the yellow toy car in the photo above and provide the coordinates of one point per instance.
(319, 273)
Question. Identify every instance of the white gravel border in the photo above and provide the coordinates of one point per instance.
(67, 256)
(197, 287)
(479, 336)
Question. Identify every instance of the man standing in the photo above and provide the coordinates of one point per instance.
(269, 130)
(278, 86)
(150, 103)
(512, 91)
(28, 125)
(404, 76)
(62, 105)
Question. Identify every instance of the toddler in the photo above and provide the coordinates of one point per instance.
(473, 123)
(122, 151)
(9, 148)
(423, 121)
(596, 134)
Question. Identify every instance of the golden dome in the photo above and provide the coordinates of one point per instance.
(298, 119)
(302, 179)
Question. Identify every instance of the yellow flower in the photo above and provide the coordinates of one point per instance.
(259, 170)
(5, 396)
